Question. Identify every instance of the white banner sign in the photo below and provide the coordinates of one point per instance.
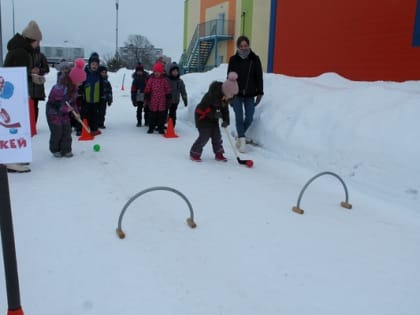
(15, 129)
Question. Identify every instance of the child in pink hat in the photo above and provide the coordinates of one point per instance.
(157, 94)
(58, 112)
(212, 108)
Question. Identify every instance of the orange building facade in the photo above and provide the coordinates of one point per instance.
(359, 39)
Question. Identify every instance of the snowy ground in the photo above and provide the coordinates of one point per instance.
(250, 254)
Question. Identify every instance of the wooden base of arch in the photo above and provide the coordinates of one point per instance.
(191, 223)
(298, 210)
(346, 205)
(120, 233)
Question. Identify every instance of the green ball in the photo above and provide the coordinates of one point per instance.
(96, 148)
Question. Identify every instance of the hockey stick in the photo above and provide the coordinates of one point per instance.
(78, 118)
(248, 163)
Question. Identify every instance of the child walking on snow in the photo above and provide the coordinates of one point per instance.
(58, 112)
(213, 106)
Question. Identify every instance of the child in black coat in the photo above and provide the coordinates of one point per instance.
(213, 106)
(137, 94)
(177, 90)
(106, 96)
(92, 94)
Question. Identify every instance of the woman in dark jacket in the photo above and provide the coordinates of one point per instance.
(24, 51)
(37, 90)
(250, 80)
(20, 50)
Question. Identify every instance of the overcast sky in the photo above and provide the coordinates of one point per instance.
(91, 24)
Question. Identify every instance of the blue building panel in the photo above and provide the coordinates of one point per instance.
(416, 34)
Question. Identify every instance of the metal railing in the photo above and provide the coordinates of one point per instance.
(218, 28)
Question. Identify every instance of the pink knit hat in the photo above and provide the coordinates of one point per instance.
(77, 73)
(230, 87)
(158, 67)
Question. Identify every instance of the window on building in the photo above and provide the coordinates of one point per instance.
(221, 60)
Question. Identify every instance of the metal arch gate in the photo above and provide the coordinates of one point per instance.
(190, 220)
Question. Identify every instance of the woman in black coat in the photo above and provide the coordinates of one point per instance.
(20, 51)
(250, 80)
(41, 68)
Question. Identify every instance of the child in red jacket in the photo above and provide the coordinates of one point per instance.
(157, 95)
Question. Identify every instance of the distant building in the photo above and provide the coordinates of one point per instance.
(131, 55)
(55, 54)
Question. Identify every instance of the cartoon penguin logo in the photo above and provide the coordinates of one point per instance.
(6, 88)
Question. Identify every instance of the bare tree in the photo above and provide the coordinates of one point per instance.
(139, 49)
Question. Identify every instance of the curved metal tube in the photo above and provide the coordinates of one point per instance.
(190, 220)
(343, 204)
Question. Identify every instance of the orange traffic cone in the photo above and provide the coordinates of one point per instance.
(32, 121)
(86, 136)
(170, 132)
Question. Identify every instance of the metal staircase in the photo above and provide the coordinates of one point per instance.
(205, 39)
